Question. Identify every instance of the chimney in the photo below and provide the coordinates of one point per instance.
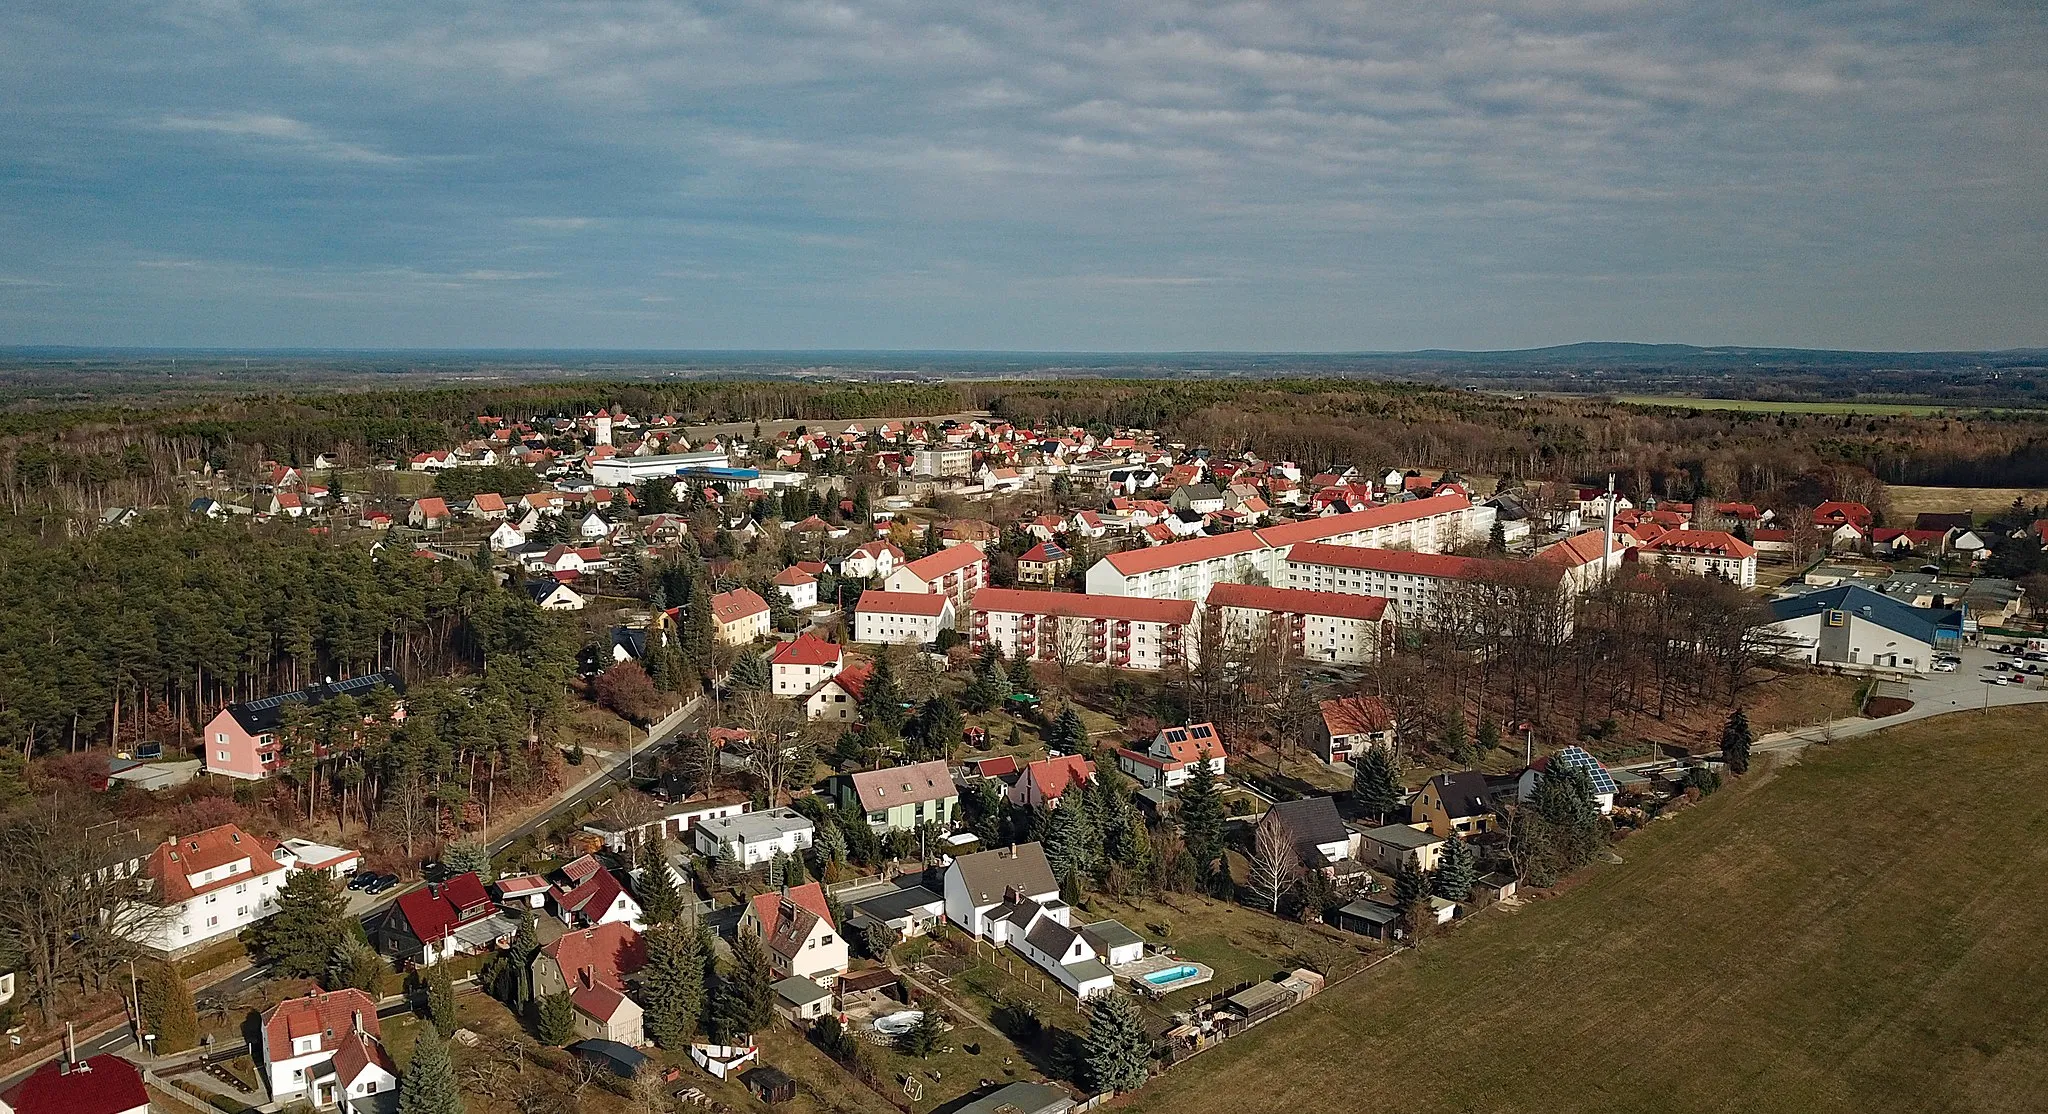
(356, 1020)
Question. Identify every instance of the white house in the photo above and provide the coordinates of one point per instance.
(551, 595)
(956, 572)
(1573, 758)
(589, 894)
(797, 929)
(837, 698)
(870, 560)
(979, 886)
(325, 1048)
(904, 618)
(755, 838)
(213, 884)
(798, 587)
(506, 537)
(1349, 726)
(1009, 897)
(1704, 553)
(802, 664)
(593, 527)
(1172, 754)
(1318, 626)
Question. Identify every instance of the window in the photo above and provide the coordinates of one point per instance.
(186, 930)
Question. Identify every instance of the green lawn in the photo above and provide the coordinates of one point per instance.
(1883, 409)
(1858, 931)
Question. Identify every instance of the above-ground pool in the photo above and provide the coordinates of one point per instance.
(1172, 975)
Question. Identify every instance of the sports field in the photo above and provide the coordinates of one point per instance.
(1860, 930)
(1907, 500)
(1763, 407)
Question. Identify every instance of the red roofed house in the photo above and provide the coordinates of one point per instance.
(1042, 782)
(1349, 726)
(326, 1048)
(871, 559)
(1320, 626)
(956, 573)
(838, 698)
(103, 1084)
(430, 513)
(904, 618)
(1833, 513)
(213, 884)
(739, 617)
(1172, 753)
(443, 919)
(796, 667)
(1044, 564)
(594, 967)
(796, 927)
(487, 505)
(1704, 553)
(590, 894)
(800, 588)
(1076, 628)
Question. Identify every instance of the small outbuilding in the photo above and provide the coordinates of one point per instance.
(770, 1085)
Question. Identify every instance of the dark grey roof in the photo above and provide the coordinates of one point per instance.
(800, 991)
(634, 639)
(259, 716)
(1109, 934)
(1463, 793)
(898, 904)
(1313, 820)
(623, 1059)
(1367, 910)
(1923, 624)
(1024, 1098)
(987, 874)
(1051, 937)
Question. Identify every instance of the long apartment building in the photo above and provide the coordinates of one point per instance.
(1076, 629)
(1319, 626)
(956, 572)
(1418, 587)
(1187, 570)
(1704, 553)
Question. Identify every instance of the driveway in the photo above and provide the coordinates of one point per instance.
(1932, 694)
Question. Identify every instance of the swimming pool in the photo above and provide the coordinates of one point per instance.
(1172, 975)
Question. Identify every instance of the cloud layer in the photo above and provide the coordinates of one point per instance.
(1306, 175)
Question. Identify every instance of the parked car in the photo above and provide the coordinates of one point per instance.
(361, 879)
(1944, 666)
(385, 882)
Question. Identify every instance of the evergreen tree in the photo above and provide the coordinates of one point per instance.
(1201, 817)
(467, 856)
(1066, 839)
(928, 1036)
(310, 922)
(660, 898)
(356, 964)
(525, 945)
(1456, 744)
(979, 695)
(1117, 1051)
(441, 999)
(750, 673)
(428, 1086)
(940, 725)
(1456, 869)
(1497, 538)
(1067, 732)
(699, 634)
(1409, 884)
(881, 701)
(1736, 742)
(167, 1010)
(1021, 677)
(1489, 736)
(746, 998)
(1375, 783)
(672, 984)
(555, 1020)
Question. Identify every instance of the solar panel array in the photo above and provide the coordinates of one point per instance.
(1578, 759)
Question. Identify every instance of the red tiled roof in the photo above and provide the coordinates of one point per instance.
(1083, 606)
(614, 951)
(111, 1085)
(354, 1054)
(1054, 776)
(768, 907)
(854, 679)
(1296, 601)
(1351, 715)
(434, 911)
(737, 604)
(1714, 543)
(936, 565)
(488, 501)
(901, 603)
(432, 507)
(808, 649)
(326, 1013)
(174, 861)
(1577, 550)
(1443, 565)
(1131, 562)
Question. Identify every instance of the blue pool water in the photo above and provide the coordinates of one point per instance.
(1172, 975)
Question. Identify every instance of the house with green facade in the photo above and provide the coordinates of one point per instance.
(903, 798)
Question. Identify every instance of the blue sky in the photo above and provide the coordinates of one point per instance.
(1305, 176)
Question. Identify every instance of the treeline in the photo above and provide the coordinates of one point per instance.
(144, 632)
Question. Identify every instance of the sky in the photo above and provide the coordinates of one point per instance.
(1301, 176)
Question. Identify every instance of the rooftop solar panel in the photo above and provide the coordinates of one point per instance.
(1578, 759)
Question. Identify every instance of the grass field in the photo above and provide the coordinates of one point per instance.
(1907, 500)
(1858, 931)
(1879, 409)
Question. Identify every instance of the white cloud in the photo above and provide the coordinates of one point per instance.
(281, 133)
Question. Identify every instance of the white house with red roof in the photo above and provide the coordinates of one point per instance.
(487, 505)
(902, 618)
(589, 894)
(1348, 726)
(1703, 553)
(801, 664)
(956, 572)
(428, 513)
(1167, 761)
(798, 587)
(325, 1048)
(1421, 587)
(837, 699)
(1319, 626)
(871, 559)
(212, 884)
(1084, 629)
(1043, 782)
(103, 1084)
(595, 967)
(739, 617)
(444, 919)
(797, 929)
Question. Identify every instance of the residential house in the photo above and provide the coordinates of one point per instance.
(1044, 565)
(590, 893)
(797, 929)
(1042, 782)
(1703, 553)
(595, 968)
(871, 560)
(1454, 804)
(957, 573)
(754, 839)
(1081, 629)
(444, 919)
(838, 699)
(1422, 589)
(553, 595)
(1009, 897)
(739, 617)
(1165, 763)
(211, 885)
(800, 665)
(1348, 726)
(1576, 759)
(798, 587)
(429, 513)
(325, 1047)
(903, 798)
(505, 537)
(1321, 838)
(488, 505)
(245, 740)
(902, 618)
(1396, 847)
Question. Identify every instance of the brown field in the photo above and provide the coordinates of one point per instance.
(1858, 931)
(1909, 501)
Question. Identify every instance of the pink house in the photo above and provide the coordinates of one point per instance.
(244, 740)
